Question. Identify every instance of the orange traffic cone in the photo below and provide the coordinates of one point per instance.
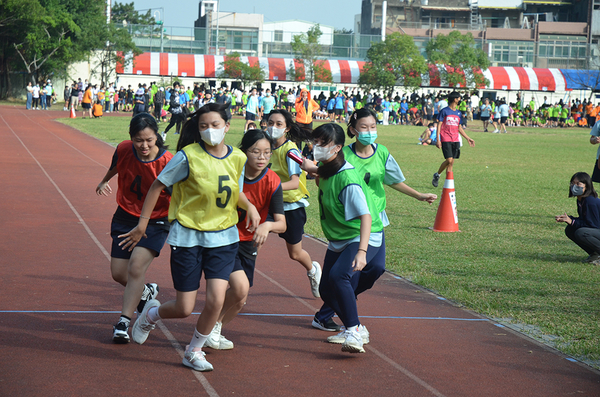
(73, 116)
(446, 219)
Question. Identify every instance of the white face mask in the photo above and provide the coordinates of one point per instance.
(275, 133)
(323, 153)
(213, 136)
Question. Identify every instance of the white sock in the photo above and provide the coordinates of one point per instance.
(153, 315)
(197, 340)
(312, 270)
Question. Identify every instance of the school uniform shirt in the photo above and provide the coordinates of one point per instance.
(450, 120)
(285, 168)
(588, 210)
(376, 170)
(135, 178)
(206, 190)
(343, 198)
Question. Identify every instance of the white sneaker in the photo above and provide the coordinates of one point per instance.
(216, 340)
(142, 327)
(315, 279)
(196, 360)
(496, 131)
(353, 342)
(341, 337)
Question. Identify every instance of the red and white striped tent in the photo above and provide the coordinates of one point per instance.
(342, 71)
(208, 66)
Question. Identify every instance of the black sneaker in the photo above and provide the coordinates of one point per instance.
(120, 334)
(436, 179)
(150, 292)
(329, 325)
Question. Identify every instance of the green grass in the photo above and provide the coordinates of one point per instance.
(511, 260)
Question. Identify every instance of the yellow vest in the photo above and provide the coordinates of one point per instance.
(207, 200)
(279, 165)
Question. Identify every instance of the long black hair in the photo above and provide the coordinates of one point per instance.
(327, 133)
(584, 178)
(359, 114)
(190, 132)
(295, 133)
(140, 122)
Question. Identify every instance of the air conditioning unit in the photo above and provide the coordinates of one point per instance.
(595, 52)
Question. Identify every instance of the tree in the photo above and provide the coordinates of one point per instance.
(119, 48)
(395, 61)
(234, 68)
(464, 62)
(307, 54)
(126, 12)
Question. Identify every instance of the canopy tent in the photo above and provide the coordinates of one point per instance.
(347, 72)
(209, 66)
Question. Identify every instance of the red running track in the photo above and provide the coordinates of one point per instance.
(59, 304)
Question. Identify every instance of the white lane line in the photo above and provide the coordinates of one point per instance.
(65, 142)
(209, 389)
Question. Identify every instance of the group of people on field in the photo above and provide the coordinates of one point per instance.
(215, 205)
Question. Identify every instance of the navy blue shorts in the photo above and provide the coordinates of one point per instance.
(154, 242)
(188, 263)
(244, 260)
(250, 116)
(295, 220)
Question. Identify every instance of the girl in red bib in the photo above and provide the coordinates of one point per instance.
(137, 162)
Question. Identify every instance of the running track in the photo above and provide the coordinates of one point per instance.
(59, 303)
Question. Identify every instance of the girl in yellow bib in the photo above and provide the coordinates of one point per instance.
(207, 180)
(284, 132)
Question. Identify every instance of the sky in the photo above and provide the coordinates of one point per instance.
(333, 13)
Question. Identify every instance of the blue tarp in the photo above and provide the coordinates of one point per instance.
(581, 79)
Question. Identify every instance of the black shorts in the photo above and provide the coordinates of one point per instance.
(246, 259)
(295, 220)
(86, 105)
(563, 120)
(338, 112)
(155, 240)
(503, 120)
(596, 173)
(188, 263)
(485, 118)
(250, 116)
(451, 149)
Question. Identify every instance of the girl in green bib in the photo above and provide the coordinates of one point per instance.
(377, 168)
(355, 238)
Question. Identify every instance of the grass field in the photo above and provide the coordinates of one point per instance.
(511, 261)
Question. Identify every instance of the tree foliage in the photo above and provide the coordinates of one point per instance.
(463, 60)
(44, 37)
(126, 12)
(307, 54)
(234, 68)
(395, 61)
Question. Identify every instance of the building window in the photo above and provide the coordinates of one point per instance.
(279, 35)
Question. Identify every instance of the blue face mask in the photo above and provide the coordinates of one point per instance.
(577, 190)
(367, 138)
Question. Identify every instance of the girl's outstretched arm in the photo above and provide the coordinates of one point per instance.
(252, 215)
(409, 191)
(103, 188)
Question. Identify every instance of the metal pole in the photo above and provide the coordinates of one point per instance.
(217, 42)
(383, 20)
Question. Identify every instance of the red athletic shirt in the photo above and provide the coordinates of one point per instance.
(135, 178)
(264, 193)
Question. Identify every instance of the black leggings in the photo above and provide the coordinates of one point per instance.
(587, 238)
(176, 118)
